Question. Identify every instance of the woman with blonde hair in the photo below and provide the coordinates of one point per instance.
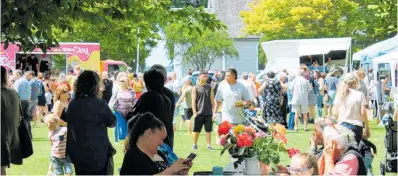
(350, 106)
(303, 164)
(137, 84)
(61, 96)
(62, 81)
(122, 102)
(41, 104)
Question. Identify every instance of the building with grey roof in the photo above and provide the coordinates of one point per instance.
(228, 11)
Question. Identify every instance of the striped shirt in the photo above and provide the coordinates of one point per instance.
(125, 101)
(58, 142)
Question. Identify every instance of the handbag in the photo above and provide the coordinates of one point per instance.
(25, 139)
(113, 103)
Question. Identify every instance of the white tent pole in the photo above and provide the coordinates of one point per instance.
(349, 56)
(323, 58)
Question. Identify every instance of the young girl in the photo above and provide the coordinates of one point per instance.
(57, 137)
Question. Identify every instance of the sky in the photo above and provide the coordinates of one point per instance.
(158, 55)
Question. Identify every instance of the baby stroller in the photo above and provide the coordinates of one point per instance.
(390, 163)
(255, 121)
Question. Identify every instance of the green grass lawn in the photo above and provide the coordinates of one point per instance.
(38, 163)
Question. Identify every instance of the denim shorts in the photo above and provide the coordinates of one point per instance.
(61, 166)
(368, 162)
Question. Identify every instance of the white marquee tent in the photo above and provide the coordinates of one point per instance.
(378, 49)
(286, 53)
(391, 59)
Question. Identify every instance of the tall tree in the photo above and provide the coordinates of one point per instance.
(199, 48)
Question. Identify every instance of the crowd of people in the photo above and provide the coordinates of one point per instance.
(78, 108)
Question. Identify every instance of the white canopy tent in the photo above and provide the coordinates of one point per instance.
(286, 53)
(376, 50)
(391, 59)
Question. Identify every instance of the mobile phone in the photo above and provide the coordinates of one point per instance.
(190, 157)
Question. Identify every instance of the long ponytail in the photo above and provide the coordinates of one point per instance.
(350, 81)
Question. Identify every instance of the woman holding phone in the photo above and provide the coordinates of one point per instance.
(142, 157)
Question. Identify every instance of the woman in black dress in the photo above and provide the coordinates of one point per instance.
(272, 99)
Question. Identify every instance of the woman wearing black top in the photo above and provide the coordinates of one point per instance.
(155, 102)
(142, 157)
(88, 119)
(108, 85)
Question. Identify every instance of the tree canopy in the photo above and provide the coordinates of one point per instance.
(199, 48)
(114, 23)
(365, 21)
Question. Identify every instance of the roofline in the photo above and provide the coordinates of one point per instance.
(313, 39)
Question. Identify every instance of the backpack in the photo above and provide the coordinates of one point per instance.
(42, 91)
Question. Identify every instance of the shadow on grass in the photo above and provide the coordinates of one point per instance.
(40, 139)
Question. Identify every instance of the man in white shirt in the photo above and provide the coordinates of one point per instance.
(300, 90)
(234, 96)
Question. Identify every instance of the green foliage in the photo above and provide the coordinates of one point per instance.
(114, 23)
(365, 21)
(200, 47)
(185, 3)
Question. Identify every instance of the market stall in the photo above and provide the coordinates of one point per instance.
(281, 52)
(386, 66)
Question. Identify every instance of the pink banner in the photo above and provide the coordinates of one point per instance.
(82, 51)
(8, 56)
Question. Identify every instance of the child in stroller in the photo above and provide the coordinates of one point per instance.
(252, 119)
(390, 163)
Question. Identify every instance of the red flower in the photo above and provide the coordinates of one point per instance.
(245, 140)
(224, 128)
(223, 141)
(280, 136)
(292, 152)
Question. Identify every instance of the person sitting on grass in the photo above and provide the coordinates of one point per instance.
(57, 136)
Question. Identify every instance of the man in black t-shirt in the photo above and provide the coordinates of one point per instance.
(33, 64)
(202, 108)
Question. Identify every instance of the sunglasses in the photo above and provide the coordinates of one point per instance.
(297, 170)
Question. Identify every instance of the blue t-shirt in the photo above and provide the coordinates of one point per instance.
(34, 84)
(331, 82)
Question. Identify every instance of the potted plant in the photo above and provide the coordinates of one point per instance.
(245, 144)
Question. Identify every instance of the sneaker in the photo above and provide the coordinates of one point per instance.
(210, 148)
(194, 147)
(306, 129)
